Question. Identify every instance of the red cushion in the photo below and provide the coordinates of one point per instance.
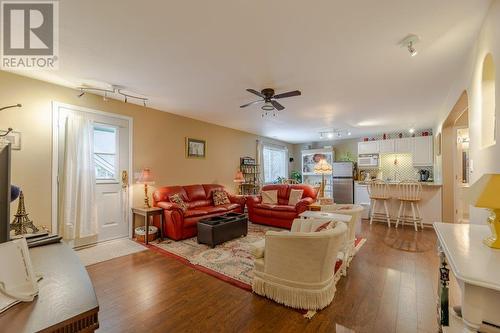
(195, 212)
(164, 193)
(210, 188)
(199, 203)
(284, 191)
(230, 206)
(195, 192)
(214, 209)
(274, 213)
(283, 208)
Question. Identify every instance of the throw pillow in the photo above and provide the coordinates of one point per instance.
(295, 196)
(176, 198)
(220, 198)
(326, 226)
(270, 197)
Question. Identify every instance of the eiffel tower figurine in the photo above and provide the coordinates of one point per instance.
(21, 222)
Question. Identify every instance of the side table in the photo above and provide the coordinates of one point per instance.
(148, 213)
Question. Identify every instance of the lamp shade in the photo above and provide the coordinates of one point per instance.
(238, 177)
(323, 167)
(146, 177)
(485, 193)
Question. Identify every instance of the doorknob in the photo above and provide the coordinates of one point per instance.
(124, 179)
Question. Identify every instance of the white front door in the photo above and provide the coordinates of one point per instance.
(111, 151)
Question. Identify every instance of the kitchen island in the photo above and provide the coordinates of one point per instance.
(430, 205)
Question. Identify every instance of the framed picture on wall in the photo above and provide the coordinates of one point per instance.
(196, 148)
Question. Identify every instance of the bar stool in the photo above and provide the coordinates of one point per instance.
(409, 193)
(379, 191)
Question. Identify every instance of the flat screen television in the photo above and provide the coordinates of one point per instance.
(5, 153)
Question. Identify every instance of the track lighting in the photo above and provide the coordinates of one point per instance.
(412, 50)
(84, 90)
(336, 133)
(126, 95)
(409, 43)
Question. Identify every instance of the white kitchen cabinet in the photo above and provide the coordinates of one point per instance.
(386, 146)
(423, 154)
(404, 145)
(368, 147)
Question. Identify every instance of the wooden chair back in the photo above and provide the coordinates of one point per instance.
(378, 190)
(409, 190)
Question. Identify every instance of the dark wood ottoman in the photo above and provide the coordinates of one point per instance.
(219, 229)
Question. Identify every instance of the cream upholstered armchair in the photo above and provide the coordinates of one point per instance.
(353, 225)
(297, 268)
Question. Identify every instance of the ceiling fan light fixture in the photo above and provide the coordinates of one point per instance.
(267, 107)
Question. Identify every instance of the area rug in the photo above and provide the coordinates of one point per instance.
(231, 261)
(108, 250)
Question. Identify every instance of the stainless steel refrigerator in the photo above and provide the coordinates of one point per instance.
(343, 182)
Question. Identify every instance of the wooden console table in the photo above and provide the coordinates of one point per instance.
(66, 301)
(477, 270)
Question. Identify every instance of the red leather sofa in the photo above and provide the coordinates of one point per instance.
(280, 215)
(179, 224)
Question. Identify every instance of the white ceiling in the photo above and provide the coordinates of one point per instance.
(196, 58)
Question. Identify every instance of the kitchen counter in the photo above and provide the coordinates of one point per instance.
(430, 203)
(362, 182)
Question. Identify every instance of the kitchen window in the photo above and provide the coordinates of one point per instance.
(275, 163)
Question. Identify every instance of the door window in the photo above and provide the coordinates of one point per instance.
(105, 153)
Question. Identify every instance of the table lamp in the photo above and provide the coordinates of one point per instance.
(322, 168)
(485, 193)
(238, 180)
(146, 178)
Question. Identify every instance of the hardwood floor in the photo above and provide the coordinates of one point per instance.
(387, 290)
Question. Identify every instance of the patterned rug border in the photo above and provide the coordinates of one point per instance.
(360, 242)
(201, 268)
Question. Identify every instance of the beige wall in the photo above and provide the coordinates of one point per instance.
(485, 160)
(158, 142)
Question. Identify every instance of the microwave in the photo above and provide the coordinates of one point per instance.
(368, 161)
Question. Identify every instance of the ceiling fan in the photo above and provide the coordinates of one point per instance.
(269, 99)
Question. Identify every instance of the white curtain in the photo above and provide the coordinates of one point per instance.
(79, 213)
(260, 160)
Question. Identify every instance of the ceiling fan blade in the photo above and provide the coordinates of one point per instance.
(277, 105)
(254, 102)
(288, 94)
(258, 93)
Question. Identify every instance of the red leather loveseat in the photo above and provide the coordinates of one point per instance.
(181, 224)
(280, 215)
